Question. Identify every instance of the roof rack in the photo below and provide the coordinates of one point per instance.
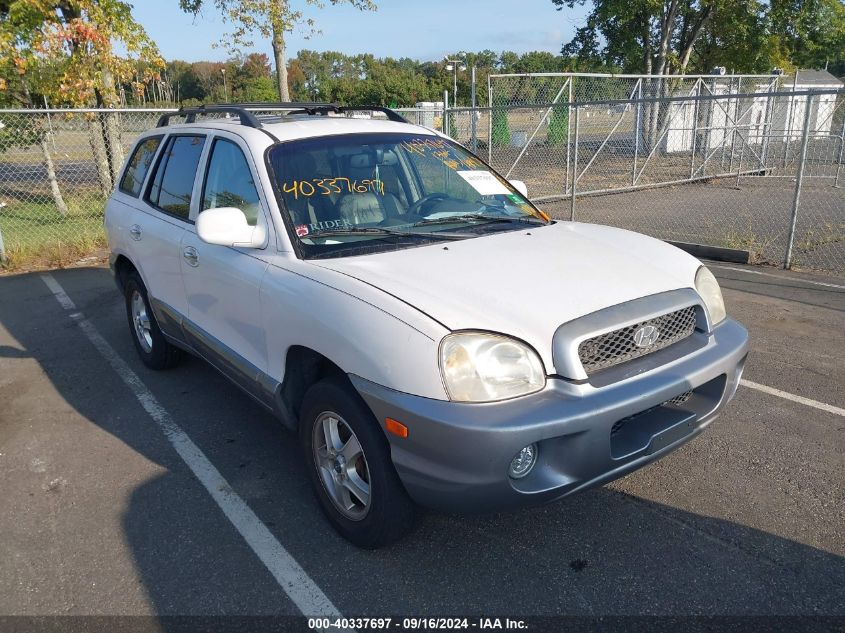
(240, 109)
(247, 118)
(392, 115)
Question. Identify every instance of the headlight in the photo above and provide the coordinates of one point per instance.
(480, 367)
(708, 288)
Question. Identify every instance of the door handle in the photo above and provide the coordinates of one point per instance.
(191, 256)
(135, 232)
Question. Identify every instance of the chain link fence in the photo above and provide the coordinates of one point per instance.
(754, 163)
(58, 167)
(687, 159)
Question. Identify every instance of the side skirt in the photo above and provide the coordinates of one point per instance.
(187, 335)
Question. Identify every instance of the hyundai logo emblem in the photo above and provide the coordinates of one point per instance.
(646, 336)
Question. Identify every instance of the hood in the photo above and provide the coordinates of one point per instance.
(524, 283)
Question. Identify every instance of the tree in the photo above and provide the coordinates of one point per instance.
(655, 37)
(271, 19)
(453, 127)
(254, 65)
(539, 62)
(251, 80)
(500, 129)
(739, 39)
(257, 90)
(79, 39)
(210, 79)
(809, 33)
(559, 126)
(181, 81)
(647, 36)
(25, 130)
(674, 36)
(390, 82)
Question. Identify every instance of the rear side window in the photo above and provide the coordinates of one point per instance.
(139, 164)
(173, 181)
(229, 181)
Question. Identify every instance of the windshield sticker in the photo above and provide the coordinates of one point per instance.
(313, 229)
(484, 183)
(441, 150)
(329, 186)
(422, 145)
(329, 224)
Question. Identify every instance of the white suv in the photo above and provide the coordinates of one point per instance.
(431, 335)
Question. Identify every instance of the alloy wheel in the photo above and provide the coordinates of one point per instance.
(341, 465)
(141, 322)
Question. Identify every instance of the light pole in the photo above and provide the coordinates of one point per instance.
(454, 65)
(225, 90)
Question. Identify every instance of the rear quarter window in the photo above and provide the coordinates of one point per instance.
(139, 165)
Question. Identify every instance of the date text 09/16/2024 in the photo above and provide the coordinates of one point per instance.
(418, 623)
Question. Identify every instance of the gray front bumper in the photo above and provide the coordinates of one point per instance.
(456, 455)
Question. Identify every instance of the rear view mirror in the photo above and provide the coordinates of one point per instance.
(227, 226)
(520, 187)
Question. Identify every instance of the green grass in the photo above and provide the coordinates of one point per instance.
(36, 234)
(823, 235)
(745, 239)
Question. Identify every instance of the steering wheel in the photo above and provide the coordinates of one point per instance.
(418, 205)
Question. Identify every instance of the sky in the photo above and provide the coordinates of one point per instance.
(426, 30)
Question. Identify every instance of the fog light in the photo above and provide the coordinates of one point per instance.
(523, 462)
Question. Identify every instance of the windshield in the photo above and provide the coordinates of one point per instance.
(364, 192)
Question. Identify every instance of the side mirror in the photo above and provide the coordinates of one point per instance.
(520, 187)
(227, 226)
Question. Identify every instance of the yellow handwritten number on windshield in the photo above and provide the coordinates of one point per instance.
(329, 186)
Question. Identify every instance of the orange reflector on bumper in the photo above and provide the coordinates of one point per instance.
(395, 427)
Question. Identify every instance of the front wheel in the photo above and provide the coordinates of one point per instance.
(350, 469)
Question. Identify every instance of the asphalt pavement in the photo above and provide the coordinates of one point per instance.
(101, 516)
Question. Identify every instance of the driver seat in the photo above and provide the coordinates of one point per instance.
(368, 208)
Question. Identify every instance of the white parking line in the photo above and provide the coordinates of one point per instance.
(781, 277)
(293, 580)
(791, 396)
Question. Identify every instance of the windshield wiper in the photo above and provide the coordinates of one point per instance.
(376, 230)
(500, 206)
(464, 217)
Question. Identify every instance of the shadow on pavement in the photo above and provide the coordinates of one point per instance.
(601, 552)
(786, 289)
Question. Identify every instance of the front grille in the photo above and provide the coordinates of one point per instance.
(676, 401)
(619, 346)
(679, 400)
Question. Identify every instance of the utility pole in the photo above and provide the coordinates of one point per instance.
(473, 114)
(225, 90)
(454, 65)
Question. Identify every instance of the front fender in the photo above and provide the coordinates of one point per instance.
(360, 329)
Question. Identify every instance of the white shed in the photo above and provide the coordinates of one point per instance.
(427, 111)
(721, 115)
(788, 116)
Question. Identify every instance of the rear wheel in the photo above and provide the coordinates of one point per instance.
(350, 469)
(152, 347)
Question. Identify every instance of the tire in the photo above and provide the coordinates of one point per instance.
(389, 514)
(155, 351)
